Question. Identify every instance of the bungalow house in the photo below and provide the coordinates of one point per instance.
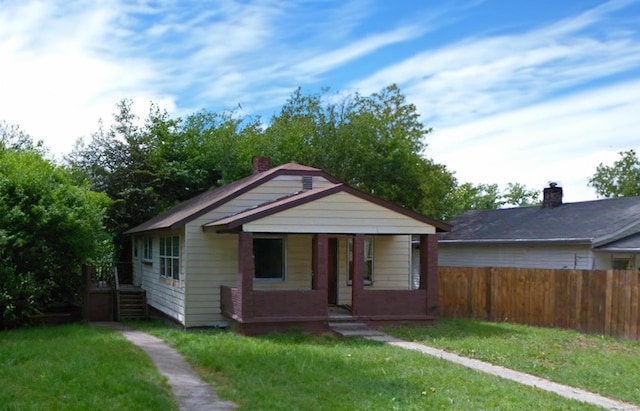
(600, 234)
(284, 247)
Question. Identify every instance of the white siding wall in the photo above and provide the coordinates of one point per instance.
(392, 262)
(136, 252)
(298, 276)
(344, 290)
(604, 260)
(355, 215)
(529, 256)
(391, 265)
(163, 294)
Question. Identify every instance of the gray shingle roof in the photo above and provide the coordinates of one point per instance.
(598, 222)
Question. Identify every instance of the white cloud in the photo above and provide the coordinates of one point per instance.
(481, 76)
(560, 140)
(61, 70)
(505, 108)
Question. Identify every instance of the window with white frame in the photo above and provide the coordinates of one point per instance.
(368, 260)
(269, 257)
(170, 257)
(147, 249)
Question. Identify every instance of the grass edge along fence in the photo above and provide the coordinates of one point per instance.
(592, 301)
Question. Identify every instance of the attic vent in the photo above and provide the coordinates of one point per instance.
(307, 182)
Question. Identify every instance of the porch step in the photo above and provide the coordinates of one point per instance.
(353, 329)
(132, 304)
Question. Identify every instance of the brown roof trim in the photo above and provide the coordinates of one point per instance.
(234, 223)
(249, 187)
(257, 180)
(439, 225)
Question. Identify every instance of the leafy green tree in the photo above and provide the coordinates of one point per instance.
(13, 137)
(148, 166)
(467, 196)
(518, 195)
(374, 143)
(622, 179)
(49, 226)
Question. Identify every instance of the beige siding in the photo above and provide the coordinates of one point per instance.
(271, 190)
(344, 290)
(162, 294)
(355, 216)
(298, 268)
(392, 262)
(213, 261)
(527, 256)
(391, 265)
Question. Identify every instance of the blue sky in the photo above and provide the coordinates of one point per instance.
(515, 90)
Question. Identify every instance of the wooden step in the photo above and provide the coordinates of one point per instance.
(132, 304)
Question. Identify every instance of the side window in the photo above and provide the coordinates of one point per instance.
(269, 258)
(368, 260)
(147, 250)
(170, 257)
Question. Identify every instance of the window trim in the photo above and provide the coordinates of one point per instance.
(368, 267)
(147, 249)
(623, 257)
(171, 271)
(281, 279)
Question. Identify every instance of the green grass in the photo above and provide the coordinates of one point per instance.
(77, 367)
(293, 371)
(604, 365)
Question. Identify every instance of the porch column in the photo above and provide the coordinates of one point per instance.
(320, 255)
(246, 272)
(429, 270)
(357, 278)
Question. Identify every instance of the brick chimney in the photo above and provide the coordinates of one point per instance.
(552, 196)
(260, 164)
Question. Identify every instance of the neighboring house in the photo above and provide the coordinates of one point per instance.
(281, 247)
(600, 234)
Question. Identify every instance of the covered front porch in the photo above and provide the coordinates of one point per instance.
(258, 311)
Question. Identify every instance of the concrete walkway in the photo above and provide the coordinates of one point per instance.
(519, 377)
(189, 390)
(194, 394)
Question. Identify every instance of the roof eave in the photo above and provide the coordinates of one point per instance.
(520, 241)
(240, 221)
(268, 175)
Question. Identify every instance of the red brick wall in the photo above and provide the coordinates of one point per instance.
(393, 303)
(289, 303)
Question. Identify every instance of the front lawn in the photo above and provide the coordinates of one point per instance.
(77, 367)
(302, 372)
(600, 364)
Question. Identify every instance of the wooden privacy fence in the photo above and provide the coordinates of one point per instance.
(594, 301)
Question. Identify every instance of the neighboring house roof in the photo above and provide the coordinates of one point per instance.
(209, 200)
(212, 199)
(600, 223)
